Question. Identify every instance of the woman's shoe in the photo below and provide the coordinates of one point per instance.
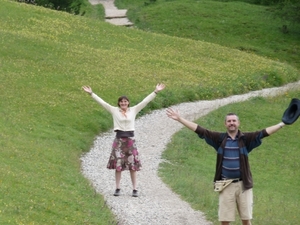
(117, 192)
(135, 193)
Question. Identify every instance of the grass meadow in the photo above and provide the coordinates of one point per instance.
(47, 122)
(234, 24)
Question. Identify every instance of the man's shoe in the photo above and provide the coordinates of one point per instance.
(117, 192)
(135, 193)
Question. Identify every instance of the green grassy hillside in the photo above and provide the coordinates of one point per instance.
(235, 24)
(47, 122)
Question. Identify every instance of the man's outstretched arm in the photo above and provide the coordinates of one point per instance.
(171, 113)
(272, 129)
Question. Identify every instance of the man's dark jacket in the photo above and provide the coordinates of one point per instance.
(246, 142)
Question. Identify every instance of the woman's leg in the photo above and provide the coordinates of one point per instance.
(133, 179)
(118, 179)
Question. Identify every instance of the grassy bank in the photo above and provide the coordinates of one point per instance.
(47, 122)
(234, 24)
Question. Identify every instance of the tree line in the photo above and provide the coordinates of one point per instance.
(70, 6)
(286, 9)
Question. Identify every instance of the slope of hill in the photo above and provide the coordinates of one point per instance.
(47, 122)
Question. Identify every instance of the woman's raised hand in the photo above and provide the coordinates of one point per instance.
(159, 87)
(87, 89)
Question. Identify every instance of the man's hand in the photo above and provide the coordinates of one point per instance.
(171, 113)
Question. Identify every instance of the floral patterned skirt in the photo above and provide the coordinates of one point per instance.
(124, 155)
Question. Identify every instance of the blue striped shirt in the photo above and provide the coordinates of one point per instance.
(231, 159)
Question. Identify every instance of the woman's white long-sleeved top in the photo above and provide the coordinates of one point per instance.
(122, 122)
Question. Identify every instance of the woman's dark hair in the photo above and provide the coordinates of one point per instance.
(121, 98)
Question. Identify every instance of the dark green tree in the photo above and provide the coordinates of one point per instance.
(71, 6)
(289, 10)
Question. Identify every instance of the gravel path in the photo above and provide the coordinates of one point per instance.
(157, 204)
(113, 15)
